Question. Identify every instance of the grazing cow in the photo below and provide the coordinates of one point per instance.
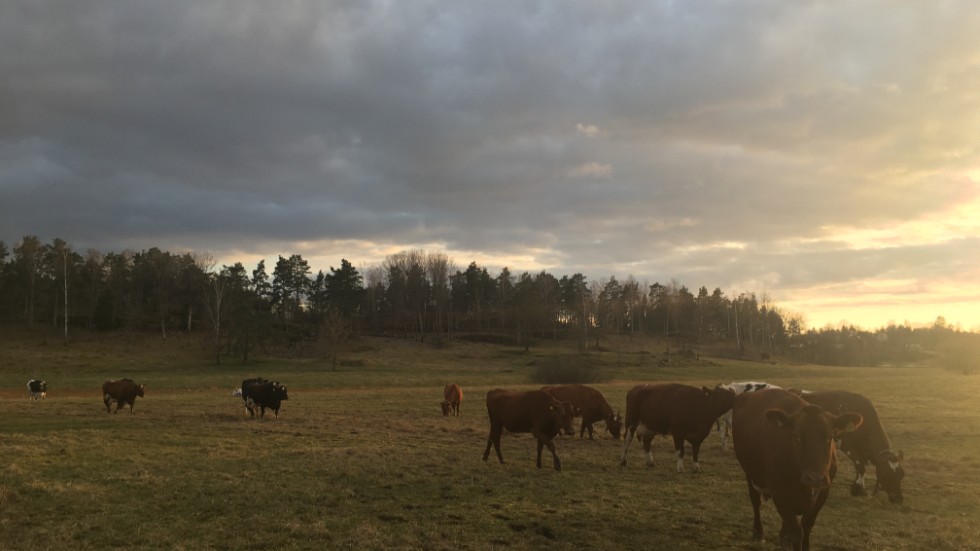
(868, 444)
(243, 392)
(534, 411)
(592, 405)
(685, 412)
(786, 448)
(453, 398)
(726, 419)
(123, 391)
(37, 389)
(264, 394)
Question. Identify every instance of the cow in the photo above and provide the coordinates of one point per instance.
(592, 406)
(786, 448)
(123, 391)
(868, 444)
(534, 411)
(264, 394)
(726, 419)
(37, 389)
(453, 398)
(243, 392)
(684, 412)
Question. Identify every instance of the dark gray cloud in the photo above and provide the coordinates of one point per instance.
(719, 143)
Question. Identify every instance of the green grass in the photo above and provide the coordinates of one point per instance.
(362, 458)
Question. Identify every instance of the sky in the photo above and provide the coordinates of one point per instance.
(823, 153)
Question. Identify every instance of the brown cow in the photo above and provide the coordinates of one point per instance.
(786, 448)
(868, 444)
(684, 412)
(592, 405)
(453, 398)
(123, 391)
(534, 411)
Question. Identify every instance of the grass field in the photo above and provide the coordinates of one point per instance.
(362, 458)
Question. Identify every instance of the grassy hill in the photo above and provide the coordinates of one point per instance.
(361, 456)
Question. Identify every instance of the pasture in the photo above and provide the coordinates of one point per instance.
(362, 458)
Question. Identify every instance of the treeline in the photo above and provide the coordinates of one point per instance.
(412, 294)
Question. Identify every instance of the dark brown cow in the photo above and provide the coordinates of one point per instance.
(534, 411)
(685, 412)
(123, 391)
(592, 405)
(868, 444)
(453, 398)
(786, 448)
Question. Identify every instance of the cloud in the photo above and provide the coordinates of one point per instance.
(576, 136)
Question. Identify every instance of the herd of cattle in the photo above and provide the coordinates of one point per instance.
(786, 441)
(257, 394)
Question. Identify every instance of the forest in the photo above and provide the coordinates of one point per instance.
(286, 310)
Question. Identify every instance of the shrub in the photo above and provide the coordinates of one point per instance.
(558, 370)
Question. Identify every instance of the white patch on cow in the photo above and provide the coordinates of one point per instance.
(643, 430)
(860, 480)
(680, 461)
(697, 467)
(760, 489)
(237, 392)
(106, 398)
(895, 465)
(650, 458)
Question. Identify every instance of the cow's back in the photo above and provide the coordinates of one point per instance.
(590, 401)
(518, 411)
(664, 408)
(870, 436)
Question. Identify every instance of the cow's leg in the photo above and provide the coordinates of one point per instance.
(695, 450)
(262, 408)
(543, 440)
(630, 432)
(810, 517)
(494, 440)
(857, 487)
(727, 421)
(107, 401)
(589, 426)
(756, 498)
(791, 533)
(679, 452)
(647, 440)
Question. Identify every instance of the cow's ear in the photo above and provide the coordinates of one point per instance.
(779, 418)
(848, 422)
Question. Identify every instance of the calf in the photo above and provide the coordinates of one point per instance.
(592, 406)
(868, 444)
(726, 419)
(37, 389)
(123, 391)
(785, 446)
(684, 412)
(535, 411)
(265, 394)
(453, 398)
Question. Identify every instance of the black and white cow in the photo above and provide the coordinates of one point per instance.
(738, 388)
(37, 389)
(262, 395)
(243, 392)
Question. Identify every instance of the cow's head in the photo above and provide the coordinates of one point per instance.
(279, 391)
(141, 390)
(888, 467)
(615, 424)
(722, 399)
(445, 408)
(812, 432)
